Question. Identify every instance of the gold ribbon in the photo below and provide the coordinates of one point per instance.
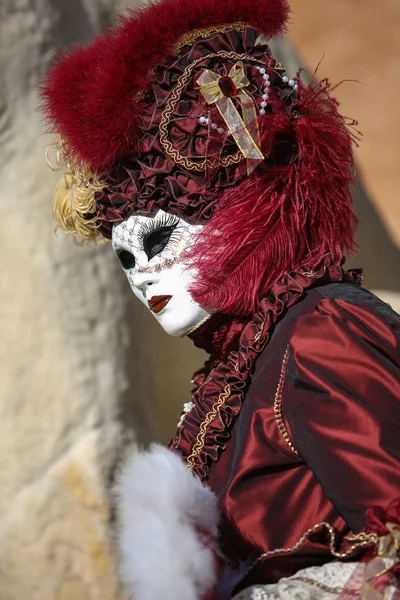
(243, 129)
(388, 548)
(389, 544)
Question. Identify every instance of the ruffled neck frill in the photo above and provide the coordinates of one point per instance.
(218, 337)
(221, 385)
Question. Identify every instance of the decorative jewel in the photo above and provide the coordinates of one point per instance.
(285, 79)
(227, 86)
(291, 82)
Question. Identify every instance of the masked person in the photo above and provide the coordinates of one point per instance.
(225, 187)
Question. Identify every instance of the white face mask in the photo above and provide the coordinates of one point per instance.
(150, 251)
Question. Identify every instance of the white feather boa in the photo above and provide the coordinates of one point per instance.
(161, 508)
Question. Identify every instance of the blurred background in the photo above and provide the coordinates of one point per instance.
(85, 370)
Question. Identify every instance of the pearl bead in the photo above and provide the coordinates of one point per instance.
(258, 67)
(206, 121)
(296, 87)
(263, 104)
(285, 79)
(262, 70)
(202, 119)
(291, 82)
(262, 111)
(220, 130)
(214, 126)
(265, 96)
(267, 83)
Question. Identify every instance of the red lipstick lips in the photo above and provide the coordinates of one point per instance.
(157, 303)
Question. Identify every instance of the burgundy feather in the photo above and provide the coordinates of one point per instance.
(89, 94)
(285, 216)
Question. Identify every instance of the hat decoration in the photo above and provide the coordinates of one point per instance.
(182, 107)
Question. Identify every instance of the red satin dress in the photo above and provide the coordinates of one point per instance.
(296, 424)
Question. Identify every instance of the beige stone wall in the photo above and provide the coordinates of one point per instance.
(75, 385)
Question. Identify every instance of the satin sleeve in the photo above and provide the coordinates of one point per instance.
(342, 402)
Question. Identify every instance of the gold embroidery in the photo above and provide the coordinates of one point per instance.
(199, 444)
(278, 403)
(175, 95)
(361, 540)
(188, 39)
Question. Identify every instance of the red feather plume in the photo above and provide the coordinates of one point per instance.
(88, 95)
(287, 216)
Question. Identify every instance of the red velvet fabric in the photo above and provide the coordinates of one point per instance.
(339, 395)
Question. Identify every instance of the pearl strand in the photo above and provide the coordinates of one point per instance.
(290, 82)
(266, 89)
(206, 121)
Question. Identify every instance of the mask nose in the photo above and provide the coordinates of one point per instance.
(144, 281)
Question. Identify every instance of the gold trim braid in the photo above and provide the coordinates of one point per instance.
(190, 38)
(200, 439)
(278, 403)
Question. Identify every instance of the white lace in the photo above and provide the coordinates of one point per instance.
(314, 583)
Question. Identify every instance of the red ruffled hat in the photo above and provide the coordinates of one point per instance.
(182, 107)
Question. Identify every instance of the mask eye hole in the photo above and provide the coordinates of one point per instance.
(156, 241)
(126, 259)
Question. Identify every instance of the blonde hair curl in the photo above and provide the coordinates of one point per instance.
(74, 204)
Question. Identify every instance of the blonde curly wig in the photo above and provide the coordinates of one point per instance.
(74, 204)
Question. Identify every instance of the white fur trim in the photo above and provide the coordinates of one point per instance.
(159, 505)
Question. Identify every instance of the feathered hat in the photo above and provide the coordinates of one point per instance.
(182, 107)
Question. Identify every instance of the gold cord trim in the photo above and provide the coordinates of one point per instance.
(278, 403)
(322, 586)
(361, 540)
(175, 95)
(199, 444)
(188, 39)
(196, 327)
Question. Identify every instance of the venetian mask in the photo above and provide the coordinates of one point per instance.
(151, 251)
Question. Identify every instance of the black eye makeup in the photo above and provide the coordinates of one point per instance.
(126, 259)
(154, 236)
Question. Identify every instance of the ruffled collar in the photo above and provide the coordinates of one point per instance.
(219, 336)
(220, 388)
